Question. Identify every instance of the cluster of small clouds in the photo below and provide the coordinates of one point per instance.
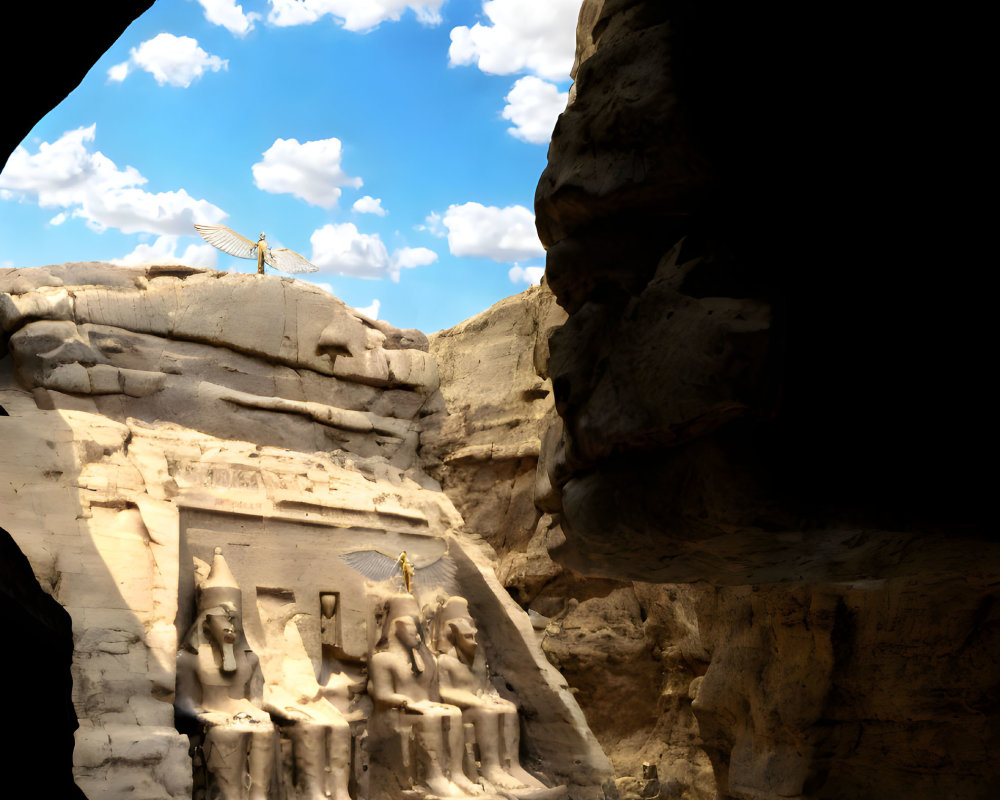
(369, 205)
(533, 105)
(174, 60)
(81, 183)
(229, 15)
(524, 36)
(66, 175)
(344, 250)
(500, 234)
(516, 36)
(353, 15)
(532, 275)
(163, 250)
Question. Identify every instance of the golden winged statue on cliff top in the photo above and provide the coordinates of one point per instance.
(229, 241)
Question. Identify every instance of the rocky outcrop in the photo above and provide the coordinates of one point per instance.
(696, 353)
(483, 442)
(629, 651)
(178, 345)
(862, 690)
(750, 402)
(147, 420)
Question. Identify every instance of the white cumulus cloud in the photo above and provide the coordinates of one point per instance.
(343, 249)
(311, 171)
(229, 15)
(119, 72)
(407, 257)
(353, 15)
(503, 234)
(434, 225)
(533, 105)
(163, 250)
(67, 176)
(177, 60)
(369, 205)
(370, 311)
(523, 36)
(532, 275)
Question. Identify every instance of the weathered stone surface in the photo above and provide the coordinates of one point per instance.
(628, 652)
(142, 428)
(851, 691)
(484, 444)
(697, 354)
(157, 344)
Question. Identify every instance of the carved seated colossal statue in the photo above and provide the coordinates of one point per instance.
(299, 706)
(463, 683)
(219, 686)
(404, 684)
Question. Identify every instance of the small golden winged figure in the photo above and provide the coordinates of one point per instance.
(379, 566)
(229, 241)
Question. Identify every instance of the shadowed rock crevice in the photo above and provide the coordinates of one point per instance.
(36, 671)
(766, 384)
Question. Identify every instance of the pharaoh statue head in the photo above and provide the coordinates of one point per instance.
(219, 614)
(454, 608)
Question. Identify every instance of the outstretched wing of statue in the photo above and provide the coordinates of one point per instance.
(228, 240)
(378, 566)
(289, 261)
(373, 564)
(438, 573)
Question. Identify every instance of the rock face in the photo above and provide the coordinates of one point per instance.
(860, 690)
(745, 405)
(483, 442)
(630, 651)
(148, 421)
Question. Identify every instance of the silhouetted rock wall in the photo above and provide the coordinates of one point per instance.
(761, 390)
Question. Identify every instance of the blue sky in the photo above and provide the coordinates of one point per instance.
(395, 144)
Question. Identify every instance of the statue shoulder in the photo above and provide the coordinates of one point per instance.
(384, 662)
(378, 659)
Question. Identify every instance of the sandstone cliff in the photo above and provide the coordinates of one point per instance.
(748, 404)
(147, 420)
(630, 651)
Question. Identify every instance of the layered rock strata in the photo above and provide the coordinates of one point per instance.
(152, 415)
(629, 651)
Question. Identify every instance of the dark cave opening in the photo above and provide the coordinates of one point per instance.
(39, 707)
